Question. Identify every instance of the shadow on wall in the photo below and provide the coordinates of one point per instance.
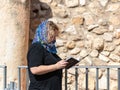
(39, 12)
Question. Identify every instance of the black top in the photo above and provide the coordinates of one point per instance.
(38, 55)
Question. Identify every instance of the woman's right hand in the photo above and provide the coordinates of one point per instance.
(61, 64)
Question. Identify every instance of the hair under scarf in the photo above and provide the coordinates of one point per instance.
(41, 36)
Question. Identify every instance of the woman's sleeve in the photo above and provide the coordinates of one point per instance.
(35, 56)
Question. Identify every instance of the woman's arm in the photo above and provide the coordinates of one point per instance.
(43, 69)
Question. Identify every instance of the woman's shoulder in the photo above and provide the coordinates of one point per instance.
(35, 50)
(36, 45)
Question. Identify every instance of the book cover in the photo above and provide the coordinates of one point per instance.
(71, 62)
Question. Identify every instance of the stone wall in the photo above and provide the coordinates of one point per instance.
(88, 27)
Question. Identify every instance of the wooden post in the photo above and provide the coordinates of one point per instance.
(14, 34)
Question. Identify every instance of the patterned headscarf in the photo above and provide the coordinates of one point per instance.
(41, 36)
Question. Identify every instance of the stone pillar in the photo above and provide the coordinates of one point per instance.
(14, 34)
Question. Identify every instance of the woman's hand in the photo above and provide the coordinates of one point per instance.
(61, 64)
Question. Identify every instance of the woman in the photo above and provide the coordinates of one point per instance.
(44, 65)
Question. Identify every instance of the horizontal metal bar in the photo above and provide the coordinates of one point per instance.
(82, 66)
(2, 66)
(108, 66)
(22, 66)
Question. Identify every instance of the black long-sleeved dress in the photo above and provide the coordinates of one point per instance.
(38, 55)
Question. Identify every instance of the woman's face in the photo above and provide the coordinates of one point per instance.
(51, 35)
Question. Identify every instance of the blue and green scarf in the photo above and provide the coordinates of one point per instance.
(41, 36)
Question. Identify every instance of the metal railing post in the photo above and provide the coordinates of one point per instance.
(4, 67)
(19, 78)
(65, 79)
(97, 76)
(12, 85)
(108, 79)
(118, 78)
(86, 79)
(76, 78)
(27, 80)
(5, 77)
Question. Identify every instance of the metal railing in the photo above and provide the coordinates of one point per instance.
(12, 85)
(97, 75)
(19, 77)
(4, 76)
(66, 74)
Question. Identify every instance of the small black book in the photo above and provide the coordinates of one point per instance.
(71, 62)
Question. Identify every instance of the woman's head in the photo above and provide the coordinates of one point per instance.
(52, 31)
(46, 34)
